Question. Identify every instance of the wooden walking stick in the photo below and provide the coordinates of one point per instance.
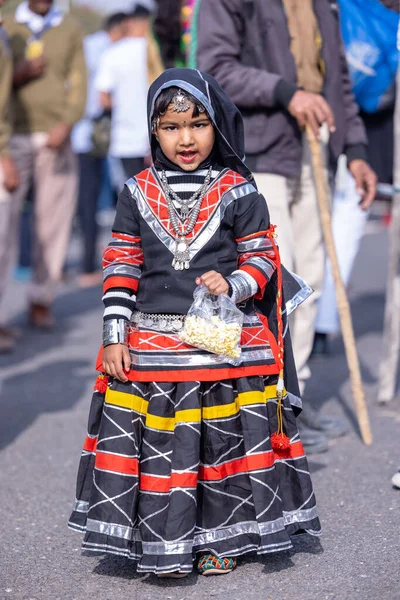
(346, 324)
(391, 332)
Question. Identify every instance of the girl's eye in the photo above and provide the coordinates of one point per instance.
(170, 128)
(200, 125)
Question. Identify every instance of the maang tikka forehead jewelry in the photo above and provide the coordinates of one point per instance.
(180, 102)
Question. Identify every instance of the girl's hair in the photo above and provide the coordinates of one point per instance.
(165, 99)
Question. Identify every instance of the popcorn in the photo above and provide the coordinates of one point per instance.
(214, 323)
(214, 335)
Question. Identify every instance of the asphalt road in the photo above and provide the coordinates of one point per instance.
(45, 391)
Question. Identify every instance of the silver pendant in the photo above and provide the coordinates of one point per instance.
(181, 255)
(180, 102)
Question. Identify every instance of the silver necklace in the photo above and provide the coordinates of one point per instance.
(184, 203)
(181, 259)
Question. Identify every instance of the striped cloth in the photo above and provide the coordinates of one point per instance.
(186, 184)
(122, 262)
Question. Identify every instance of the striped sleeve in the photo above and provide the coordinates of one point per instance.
(122, 263)
(256, 253)
(257, 259)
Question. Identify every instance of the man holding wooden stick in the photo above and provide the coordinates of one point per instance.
(283, 64)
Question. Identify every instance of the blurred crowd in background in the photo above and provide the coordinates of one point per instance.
(73, 124)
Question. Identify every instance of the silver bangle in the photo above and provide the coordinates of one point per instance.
(243, 286)
(115, 331)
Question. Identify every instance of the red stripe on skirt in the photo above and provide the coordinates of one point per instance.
(90, 444)
(119, 464)
(237, 466)
(152, 483)
(296, 450)
(249, 463)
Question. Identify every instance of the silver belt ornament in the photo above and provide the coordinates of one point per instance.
(159, 322)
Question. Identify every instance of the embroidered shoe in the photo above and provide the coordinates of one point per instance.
(211, 565)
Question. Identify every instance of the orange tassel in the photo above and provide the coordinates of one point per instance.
(101, 384)
(280, 441)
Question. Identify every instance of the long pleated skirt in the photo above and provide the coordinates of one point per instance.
(169, 470)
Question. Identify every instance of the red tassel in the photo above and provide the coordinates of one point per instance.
(280, 441)
(101, 384)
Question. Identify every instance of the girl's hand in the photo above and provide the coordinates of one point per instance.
(214, 282)
(116, 359)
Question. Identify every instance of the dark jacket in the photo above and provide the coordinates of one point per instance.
(245, 44)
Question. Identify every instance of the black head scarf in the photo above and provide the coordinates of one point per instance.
(225, 116)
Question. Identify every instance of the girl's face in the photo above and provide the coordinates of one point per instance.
(185, 140)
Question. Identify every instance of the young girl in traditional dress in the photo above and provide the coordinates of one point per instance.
(188, 457)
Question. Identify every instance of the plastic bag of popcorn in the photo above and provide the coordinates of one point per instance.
(214, 323)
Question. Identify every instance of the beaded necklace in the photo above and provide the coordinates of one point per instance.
(181, 258)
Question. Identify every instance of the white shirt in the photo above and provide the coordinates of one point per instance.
(123, 73)
(94, 47)
(35, 22)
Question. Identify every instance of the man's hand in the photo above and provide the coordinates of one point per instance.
(27, 70)
(310, 108)
(58, 136)
(366, 181)
(214, 282)
(116, 360)
(10, 173)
